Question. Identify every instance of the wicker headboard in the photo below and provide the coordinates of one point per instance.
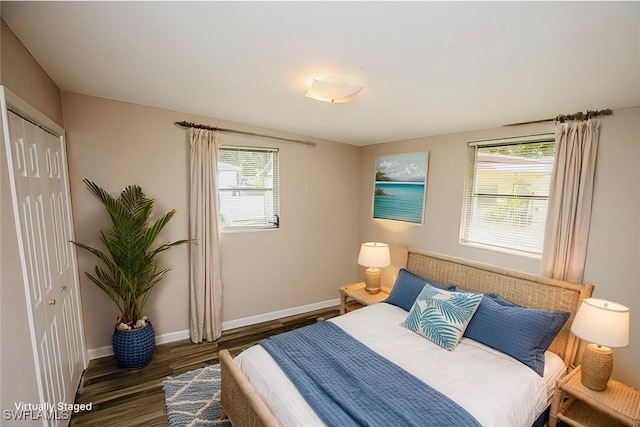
(527, 290)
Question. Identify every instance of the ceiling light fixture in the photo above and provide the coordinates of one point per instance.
(332, 89)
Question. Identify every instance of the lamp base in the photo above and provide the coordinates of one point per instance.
(597, 364)
(372, 280)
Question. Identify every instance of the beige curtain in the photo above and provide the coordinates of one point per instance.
(569, 213)
(205, 283)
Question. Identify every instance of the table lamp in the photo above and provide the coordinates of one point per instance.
(373, 255)
(604, 324)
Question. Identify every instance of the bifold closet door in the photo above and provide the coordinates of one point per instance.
(42, 206)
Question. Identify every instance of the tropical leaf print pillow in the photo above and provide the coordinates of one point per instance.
(442, 316)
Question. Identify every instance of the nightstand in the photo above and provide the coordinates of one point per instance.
(355, 296)
(618, 405)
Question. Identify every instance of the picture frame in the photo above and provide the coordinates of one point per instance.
(400, 187)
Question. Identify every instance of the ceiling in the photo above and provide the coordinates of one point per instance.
(428, 68)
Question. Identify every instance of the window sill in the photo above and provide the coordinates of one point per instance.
(502, 250)
(247, 230)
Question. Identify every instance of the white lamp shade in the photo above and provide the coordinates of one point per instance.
(332, 90)
(374, 254)
(602, 322)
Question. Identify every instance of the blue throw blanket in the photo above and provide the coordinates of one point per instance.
(348, 384)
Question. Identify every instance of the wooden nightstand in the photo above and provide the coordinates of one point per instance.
(618, 405)
(354, 296)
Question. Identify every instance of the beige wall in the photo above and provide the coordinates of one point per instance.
(323, 220)
(446, 173)
(613, 255)
(23, 76)
(116, 144)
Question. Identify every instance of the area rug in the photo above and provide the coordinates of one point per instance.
(193, 398)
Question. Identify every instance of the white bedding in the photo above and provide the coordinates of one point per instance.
(493, 387)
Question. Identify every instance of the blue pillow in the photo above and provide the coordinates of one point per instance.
(522, 333)
(442, 316)
(497, 298)
(408, 286)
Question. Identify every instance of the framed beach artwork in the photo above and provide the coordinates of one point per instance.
(400, 187)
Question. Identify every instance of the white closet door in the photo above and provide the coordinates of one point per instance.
(38, 167)
(64, 276)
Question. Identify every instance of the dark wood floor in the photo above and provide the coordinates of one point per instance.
(126, 398)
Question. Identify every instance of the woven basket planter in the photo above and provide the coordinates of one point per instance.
(133, 349)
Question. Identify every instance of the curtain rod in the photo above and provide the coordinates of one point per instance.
(197, 126)
(564, 117)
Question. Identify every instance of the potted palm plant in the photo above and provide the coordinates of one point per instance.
(130, 268)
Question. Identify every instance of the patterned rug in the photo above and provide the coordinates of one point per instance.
(193, 398)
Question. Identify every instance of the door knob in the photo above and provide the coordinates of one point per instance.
(63, 288)
(52, 301)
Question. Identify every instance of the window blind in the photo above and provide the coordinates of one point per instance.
(507, 193)
(248, 188)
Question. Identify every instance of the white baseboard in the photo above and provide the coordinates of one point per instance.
(252, 320)
(96, 353)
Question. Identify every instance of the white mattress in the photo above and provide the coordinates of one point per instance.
(493, 387)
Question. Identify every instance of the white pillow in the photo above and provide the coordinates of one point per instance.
(442, 316)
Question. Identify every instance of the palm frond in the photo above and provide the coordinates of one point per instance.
(456, 309)
(131, 264)
(438, 330)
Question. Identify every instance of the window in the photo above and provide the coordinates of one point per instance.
(248, 188)
(507, 193)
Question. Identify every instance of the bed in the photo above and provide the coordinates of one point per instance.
(256, 391)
